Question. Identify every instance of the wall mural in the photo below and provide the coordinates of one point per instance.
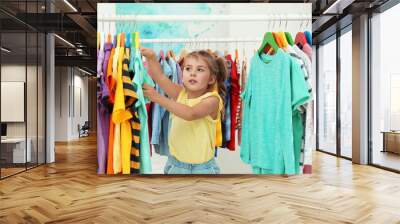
(168, 29)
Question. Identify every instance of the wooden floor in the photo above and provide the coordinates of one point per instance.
(69, 191)
(388, 159)
(10, 171)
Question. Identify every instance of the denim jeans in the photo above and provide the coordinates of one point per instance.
(175, 166)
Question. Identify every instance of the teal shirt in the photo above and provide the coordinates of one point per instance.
(298, 133)
(274, 91)
(140, 77)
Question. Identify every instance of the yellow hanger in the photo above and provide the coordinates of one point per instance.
(108, 38)
(137, 40)
(123, 40)
(284, 40)
(98, 40)
(118, 40)
(236, 55)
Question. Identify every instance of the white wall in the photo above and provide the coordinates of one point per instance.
(68, 83)
(61, 110)
(12, 73)
(34, 124)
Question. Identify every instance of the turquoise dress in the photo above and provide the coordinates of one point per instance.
(139, 79)
(274, 91)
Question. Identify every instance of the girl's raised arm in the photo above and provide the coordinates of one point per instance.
(157, 75)
(208, 106)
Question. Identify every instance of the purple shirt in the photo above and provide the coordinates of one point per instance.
(100, 59)
(103, 118)
(107, 49)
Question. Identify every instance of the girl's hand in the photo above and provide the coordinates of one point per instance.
(150, 92)
(149, 54)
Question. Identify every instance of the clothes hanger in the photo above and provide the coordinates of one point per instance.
(133, 40)
(125, 30)
(300, 39)
(137, 42)
(271, 26)
(128, 40)
(172, 54)
(283, 39)
(108, 38)
(308, 37)
(118, 40)
(289, 38)
(98, 40)
(167, 56)
(123, 40)
(277, 39)
(268, 40)
(115, 42)
(236, 53)
(162, 54)
(109, 33)
(104, 32)
(101, 41)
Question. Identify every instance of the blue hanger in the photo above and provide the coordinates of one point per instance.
(128, 40)
(308, 37)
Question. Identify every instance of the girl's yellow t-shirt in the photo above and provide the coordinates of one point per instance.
(193, 141)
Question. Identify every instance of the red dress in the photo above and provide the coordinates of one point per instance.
(235, 91)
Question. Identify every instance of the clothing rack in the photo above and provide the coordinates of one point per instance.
(205, 18)
(195, 40)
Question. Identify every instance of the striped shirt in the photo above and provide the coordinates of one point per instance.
(130, 100)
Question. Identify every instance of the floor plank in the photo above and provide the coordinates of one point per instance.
(70, 191)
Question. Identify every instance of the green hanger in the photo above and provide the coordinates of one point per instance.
(289, 38)
(133, 37)
(268, 39)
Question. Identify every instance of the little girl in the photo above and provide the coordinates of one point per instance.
(195, 109)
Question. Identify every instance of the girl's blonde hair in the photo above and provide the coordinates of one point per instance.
(218, 68)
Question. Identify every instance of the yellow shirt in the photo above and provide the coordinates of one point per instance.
(126, 129)
(117, 127)
(218, 135)
(122, 136)
(193, 141)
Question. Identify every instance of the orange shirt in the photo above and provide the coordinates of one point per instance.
(110, 81)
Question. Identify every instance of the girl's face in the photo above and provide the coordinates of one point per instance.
(196, 75)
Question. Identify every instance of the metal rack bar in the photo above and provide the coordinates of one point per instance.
(203, 40)
(205, 18)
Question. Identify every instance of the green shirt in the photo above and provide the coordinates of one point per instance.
(274, 91)
(141, 77)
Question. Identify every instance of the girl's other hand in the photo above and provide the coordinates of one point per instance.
(150, 92)
(149, 54)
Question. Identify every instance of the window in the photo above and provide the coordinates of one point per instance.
(346, 94)
(327, 97)
(385, 89)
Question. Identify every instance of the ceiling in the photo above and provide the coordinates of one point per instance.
(332, 15)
